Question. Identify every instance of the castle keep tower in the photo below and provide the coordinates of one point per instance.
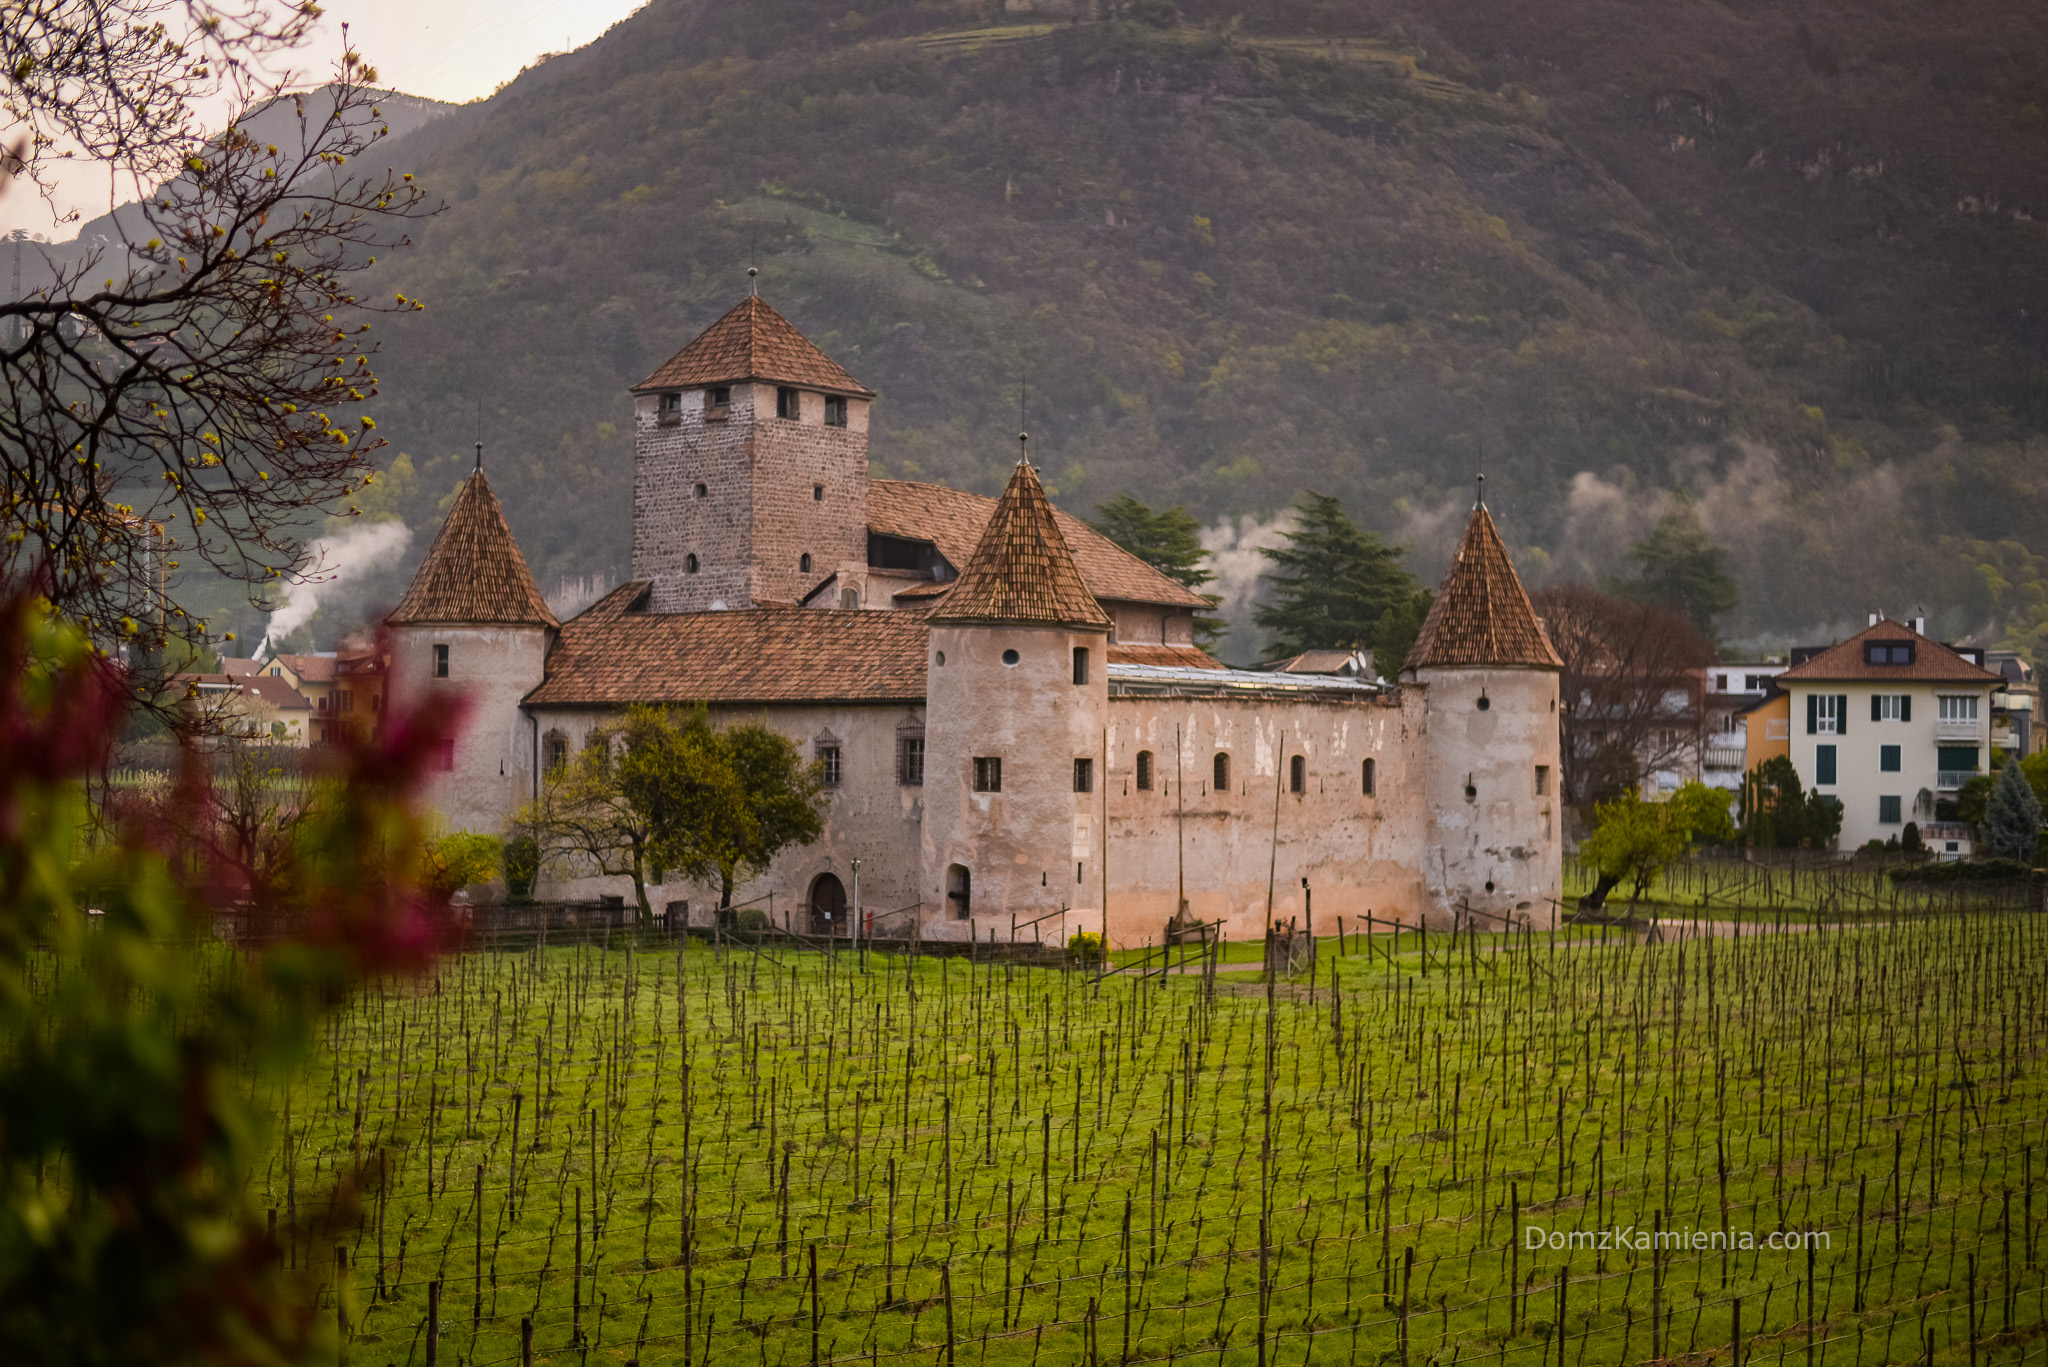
(750, 470)
(1017, 702)
(473, 622)
(1495, 841)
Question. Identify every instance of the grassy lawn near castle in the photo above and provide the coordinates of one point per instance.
(1013, 1165)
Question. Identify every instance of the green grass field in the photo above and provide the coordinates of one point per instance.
(736, 1157)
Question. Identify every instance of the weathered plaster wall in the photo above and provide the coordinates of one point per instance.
(1034, 846)
(1496, 841)
(1359, 852)
(760, 511)
(492, 667)
(1414, 846)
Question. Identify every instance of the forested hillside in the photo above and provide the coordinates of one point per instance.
(1785, 258)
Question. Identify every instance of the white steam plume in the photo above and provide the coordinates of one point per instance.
(331, 560)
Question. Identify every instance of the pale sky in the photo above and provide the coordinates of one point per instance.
(455, 50)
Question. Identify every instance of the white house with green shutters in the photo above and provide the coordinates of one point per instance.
(1888, 723)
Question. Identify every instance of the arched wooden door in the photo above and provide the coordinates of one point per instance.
(828, 905)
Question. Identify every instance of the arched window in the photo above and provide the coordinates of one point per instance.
(1367, 781)
(690, 563)
(803, 563)
(960, 891)
(1144, 771)
(1222, 774)
(1297, 775)
(849, 599)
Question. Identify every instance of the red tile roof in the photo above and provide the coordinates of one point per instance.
(953, 520)
(611, 656)
(1933, 662)
(1181, 657)
(309, 668)
(753, 342)
(1022, 571)
(473, 572)
(1481, 615)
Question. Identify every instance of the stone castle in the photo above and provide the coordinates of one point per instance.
(1015, 726)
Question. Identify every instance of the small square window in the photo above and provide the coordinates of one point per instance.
(718, 403)
(1888, 811)
(1888, 759)
(789, 403)
(988, 774)
(440, 661)
(835, 410)
(703, 491)
(1084, 775)
(828, 765)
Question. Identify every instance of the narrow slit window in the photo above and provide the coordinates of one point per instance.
(1369, 778)
(1221, 772)
(1144, 771)
(1297, 775)
(440, 661)
(1080, 664)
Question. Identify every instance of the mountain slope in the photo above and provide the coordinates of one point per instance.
(1233, 260)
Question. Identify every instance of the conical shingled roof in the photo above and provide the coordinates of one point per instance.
(1022, 571)
(753, 342)
(1481, 615)
(474, 571)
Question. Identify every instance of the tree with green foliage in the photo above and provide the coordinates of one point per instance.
(458, 859)
(1703, 813)
(1680, 567)
(1777, 812)
(1169, 542)
(2011, 828)
(1632, 843)
(777, 800)
(665, 789)
(1335, 585)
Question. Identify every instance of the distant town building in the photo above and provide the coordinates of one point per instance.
(1889, 723)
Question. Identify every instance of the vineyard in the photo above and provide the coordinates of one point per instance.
(1804, 1146)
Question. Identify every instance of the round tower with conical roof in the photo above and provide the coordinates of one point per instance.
(1489, 678)
(474, 623)
(1017, 704)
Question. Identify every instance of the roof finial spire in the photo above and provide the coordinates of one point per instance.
(479, 436)
(754, 281)
(1023, 428)
(1479, 500)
